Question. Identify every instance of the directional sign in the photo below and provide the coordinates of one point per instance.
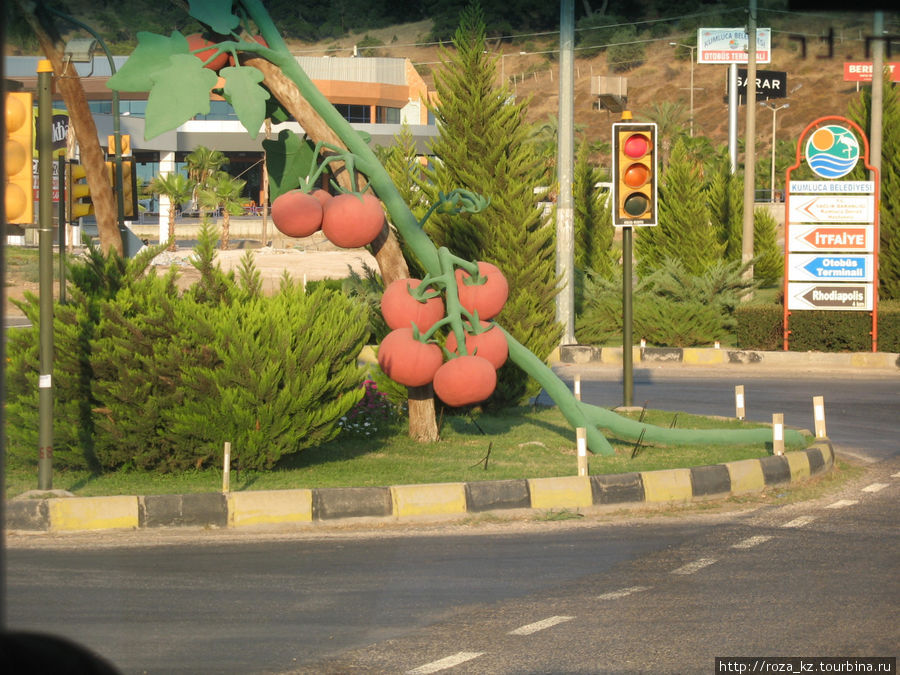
(806, 267)
(832, 209)
(850, 238)
(841, 297)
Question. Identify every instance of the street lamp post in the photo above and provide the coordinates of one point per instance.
(692, 48)
(774, 110)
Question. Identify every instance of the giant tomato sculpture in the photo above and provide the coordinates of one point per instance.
(352, 221)
(196, 41)
(297, 214)
(487, 297)
(408, 361)
(490, 344)
(400, 309)
(465, 380)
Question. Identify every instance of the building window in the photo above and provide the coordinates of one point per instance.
(388, 115)
(100, 107)
(355, 113)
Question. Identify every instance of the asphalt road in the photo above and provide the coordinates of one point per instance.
(618, 594)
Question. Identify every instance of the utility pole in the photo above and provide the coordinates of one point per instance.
(565, 167)
(876, 115)
(750, 146)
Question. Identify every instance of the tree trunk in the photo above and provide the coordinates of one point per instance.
(386, 248)
(92, 158)
(172, 245)
(226, 229)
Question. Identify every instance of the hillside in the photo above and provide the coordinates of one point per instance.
(815, 85)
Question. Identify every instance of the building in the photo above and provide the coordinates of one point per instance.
(376, 95)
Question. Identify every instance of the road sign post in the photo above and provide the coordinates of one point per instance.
(831, 226)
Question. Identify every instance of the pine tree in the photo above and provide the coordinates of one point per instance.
(725, 198)
(684, 232)
(594, 231)
(483, 147)
(889, 216)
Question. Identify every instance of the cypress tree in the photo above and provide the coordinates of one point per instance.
(684, 232)
(594, 231)
(889, 216)
(483, 147)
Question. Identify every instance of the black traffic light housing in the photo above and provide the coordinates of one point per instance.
(634, 174)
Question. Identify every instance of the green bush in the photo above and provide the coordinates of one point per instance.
(148, 378)
(889, 326)
(760, 327)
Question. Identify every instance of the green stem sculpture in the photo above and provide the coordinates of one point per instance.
(578, 414)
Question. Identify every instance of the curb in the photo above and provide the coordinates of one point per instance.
(698, 356)
(308, 507)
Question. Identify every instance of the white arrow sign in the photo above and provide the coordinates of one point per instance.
(832, 209)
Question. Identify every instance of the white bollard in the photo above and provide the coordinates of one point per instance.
(577, 387)
(739, 410)
(581, 446)
(819, 415)
(226, 469)
(778, 433)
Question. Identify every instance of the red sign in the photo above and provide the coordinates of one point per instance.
(862, 72)
(845, 238)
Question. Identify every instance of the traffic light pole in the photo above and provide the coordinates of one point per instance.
(627, 327)
(45, 276)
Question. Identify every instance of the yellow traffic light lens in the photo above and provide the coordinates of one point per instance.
(636, 204)
(16, 157)
(16, 205)
(636, 146)
(15, 114)
(636, 175)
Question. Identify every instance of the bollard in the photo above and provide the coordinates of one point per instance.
(819, 415)
(739, 402)
(577, 387)
(581, 445)
(226, 470)
(778, 434)
(643, 343)
(716, 345)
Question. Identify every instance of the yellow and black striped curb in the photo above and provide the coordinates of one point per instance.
(409, 502)
(704, 356)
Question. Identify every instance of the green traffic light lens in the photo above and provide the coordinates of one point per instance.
(636, 204)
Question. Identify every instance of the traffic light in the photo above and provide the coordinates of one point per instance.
(78, 192)
(129, 187)
(634, 173)
(19, 154)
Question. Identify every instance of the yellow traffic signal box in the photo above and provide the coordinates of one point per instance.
(634, 174)
(18, 158)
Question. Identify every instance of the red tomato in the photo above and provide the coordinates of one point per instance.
(406, 360)
(351, 221)
(400, 309)
(490, 345)
(465, 380)
(196, 41)
(297, 214)
(322, 195)
(488, 297)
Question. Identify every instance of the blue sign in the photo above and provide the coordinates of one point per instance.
(839, 267)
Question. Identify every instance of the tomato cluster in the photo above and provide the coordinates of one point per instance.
(347, 220)
(197, 41)
(465, 378)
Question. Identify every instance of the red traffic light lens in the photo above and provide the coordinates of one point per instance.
(636, 204)
(636, 146)
(636, 175)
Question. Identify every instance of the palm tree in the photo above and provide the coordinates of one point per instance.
(202, 165)
(223, 191)
(671, 121)
(178, 188)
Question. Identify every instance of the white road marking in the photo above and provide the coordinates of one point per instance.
(895, 475)
(752, 541)
(695, 566)
(800, 522)
(614, 595)
(875, 487)
(841, 503)
(443, 664)
(540, 625)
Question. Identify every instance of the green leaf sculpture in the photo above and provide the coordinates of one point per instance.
(149, 58)
(215, 14)
(288, 159)
(180, 91)
(248, 99)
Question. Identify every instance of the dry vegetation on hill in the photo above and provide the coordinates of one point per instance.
(815, 84)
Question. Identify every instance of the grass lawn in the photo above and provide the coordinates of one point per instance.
(519, 443)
